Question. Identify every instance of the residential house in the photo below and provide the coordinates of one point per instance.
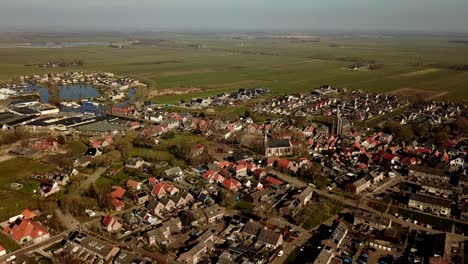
(110, 223)
(358, 186)
(213, 213)
(231, 184)
(117, 196)
(24, 230)
(135, 163)
(195, 254)
(430, 203)
(197, 150)
(174, 174)
(83, 161)
(252, 228)
(141, 197)
(241, 170)
(161, 189)
(93, 152)
(134, 185)
(366, 218)
(305, 195)
(330, 246)
(45, 144)
(270, 239)
(48, 188)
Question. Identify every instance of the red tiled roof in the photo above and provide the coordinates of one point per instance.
(222, 164)
(284, 163)
(118, 203)
(240, 167)
(132, 184)
(153, 180)
(118, 192)
(107, 220)
(157, 188)
(231, 183)
(388, 156)
(28, 214)
(273, 181)
(95, 143)
(162, 186)
(23, 228)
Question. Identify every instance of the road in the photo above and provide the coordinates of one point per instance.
(384, 186)
(353, 204)
(28, 249)
(361, 202)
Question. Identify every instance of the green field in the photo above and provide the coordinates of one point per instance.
(9, 244)
(222, 64)
(13, 202)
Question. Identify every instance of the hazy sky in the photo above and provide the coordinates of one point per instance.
(364, 15)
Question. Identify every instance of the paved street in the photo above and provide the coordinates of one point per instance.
(31, 248)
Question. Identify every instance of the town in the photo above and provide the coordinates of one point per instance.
(333, 175)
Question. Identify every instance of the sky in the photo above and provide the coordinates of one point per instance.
(248, 15)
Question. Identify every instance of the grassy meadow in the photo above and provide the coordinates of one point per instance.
(13, 170)
(210, 64)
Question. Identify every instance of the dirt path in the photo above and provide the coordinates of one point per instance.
(92, 178)
(67, 220)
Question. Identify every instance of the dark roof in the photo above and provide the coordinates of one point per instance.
(91, 151)
(279, 143)
(17, 120)
(6, 116)
(25, 110)
(431, 200)
(252, 228)
(268, 237)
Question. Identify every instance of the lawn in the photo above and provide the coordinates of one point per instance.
(242, 205)
(76, 147)
(317, 212)
(190, 139)
(13, 202)
(7, 243)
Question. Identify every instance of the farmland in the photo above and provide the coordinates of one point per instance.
(202, 65)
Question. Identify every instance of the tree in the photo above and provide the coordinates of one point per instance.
(461, 125)
(102, 197)
(246, 114)
(226, 198)
(440, 137)
(124, 145)
(405, 134)
(61, 140)
(313, 172)
(420, 129)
